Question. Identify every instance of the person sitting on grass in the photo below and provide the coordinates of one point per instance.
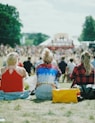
(83, 76)
(12, 86)
(84, 72)
(47, 76)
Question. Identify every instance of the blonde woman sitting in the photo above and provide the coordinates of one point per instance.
(83, 77)
(84, 72)
(47, 76)
(12, 75)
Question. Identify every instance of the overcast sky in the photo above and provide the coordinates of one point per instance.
(53, 16)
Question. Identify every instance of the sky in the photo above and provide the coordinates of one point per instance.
(53, 16)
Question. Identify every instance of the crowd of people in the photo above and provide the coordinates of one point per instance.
(50, 68)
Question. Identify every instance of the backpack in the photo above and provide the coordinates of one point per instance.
(87, 91)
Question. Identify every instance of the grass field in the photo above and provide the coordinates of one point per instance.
(35, 111)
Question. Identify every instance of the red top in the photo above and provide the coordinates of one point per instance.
(20, 64)
(79, 77)
(12, 82)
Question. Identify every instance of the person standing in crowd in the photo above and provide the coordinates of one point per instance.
(47, 76)
(12, 75)
(62, 65)
(84, 72)
(28, 66)
(38, 62)
(70, 67)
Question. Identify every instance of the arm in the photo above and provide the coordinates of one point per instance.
(59, 72)
(22, 71)
(73, 76)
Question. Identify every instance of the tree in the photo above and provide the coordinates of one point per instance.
(88, 32)
(40, 38)
(10, 25)
(35, 38)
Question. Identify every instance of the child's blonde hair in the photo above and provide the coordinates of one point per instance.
(47, 56)
(12, 58)
(85, 59)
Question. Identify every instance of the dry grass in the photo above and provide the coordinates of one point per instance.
(36, 111)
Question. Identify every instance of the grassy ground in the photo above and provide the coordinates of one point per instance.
(36, 111)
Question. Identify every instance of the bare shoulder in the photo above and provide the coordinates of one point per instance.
(21, 71)
(20, 68)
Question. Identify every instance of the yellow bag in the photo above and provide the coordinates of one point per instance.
(65, 95)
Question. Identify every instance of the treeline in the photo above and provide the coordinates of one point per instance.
(34, 38)
(10, 29)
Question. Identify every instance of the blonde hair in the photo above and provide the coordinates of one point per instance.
(47, 56)
(12, 58)
(85, 59)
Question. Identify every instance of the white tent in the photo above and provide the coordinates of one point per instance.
(47, 42)
(76, 42)
(58, 43)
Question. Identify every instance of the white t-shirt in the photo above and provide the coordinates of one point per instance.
(70, 67)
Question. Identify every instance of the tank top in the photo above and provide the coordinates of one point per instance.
(12, 82)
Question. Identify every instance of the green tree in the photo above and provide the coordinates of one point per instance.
(40, 38)
(35, 38)
(10, 25)
(88, 32)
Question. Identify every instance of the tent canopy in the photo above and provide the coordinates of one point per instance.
(58, 43)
